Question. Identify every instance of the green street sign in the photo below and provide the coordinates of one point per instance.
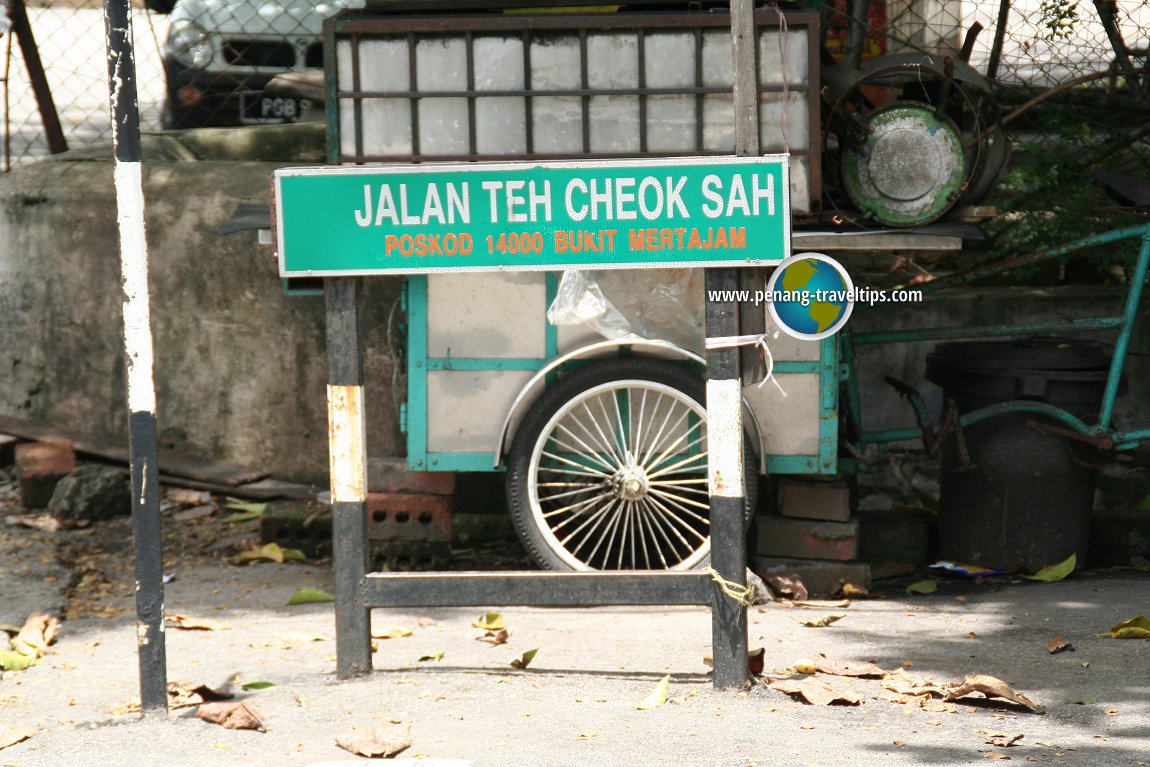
(529, 216)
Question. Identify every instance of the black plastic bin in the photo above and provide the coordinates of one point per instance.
(1026, 497)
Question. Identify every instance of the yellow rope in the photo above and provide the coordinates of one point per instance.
(744, 595)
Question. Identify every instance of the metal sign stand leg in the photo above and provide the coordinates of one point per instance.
(347, 446)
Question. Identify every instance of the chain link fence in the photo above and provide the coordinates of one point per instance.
(209, 62)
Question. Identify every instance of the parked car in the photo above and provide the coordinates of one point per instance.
(220, 55)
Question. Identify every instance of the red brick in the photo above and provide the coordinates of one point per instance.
(54, 458)
(806, 539)
(402, 517)
(39, 467)
(819, 576)
(826, 501)
(391, 475)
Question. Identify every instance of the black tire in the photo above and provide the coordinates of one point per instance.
(646, 483)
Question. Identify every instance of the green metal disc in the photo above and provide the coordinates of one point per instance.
(911, 169)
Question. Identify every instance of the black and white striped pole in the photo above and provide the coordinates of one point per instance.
(724, 392)
(141, 390)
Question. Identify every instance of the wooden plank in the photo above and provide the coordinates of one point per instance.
(264, 490)
(172, 462)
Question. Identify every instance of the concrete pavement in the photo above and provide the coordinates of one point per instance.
(576, 702)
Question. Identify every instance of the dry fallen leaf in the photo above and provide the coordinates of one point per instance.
(1003, 740)
(183, 694)
(588, 736)
(11, 734)
(231, 715)
(904, 683)
(755, 660)
(991, 688)
(391, 633)
(1057, 644)
(823, 622)
(854, 591)
(186, 497)
(848, 667)
(524, 660)
(379, 741)
(495, 637)
(813, 691)
(788, 583)
(827, 604)
(188, 623)
(38, 631)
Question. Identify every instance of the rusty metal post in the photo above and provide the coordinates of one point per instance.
(22, 28)
(347, 445)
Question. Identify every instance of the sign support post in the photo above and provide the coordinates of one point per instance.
(724, 391)
(141, 388)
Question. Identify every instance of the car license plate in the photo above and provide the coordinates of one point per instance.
(271, 107)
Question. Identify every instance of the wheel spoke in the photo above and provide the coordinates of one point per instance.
(675, 467)
(672, 446)
(611, 426)
(590, 451)
(557, 496)
(664, 501)
(560, 470)
(671, 449)
(612, 527)
(659, 434)
(553, 512)
(603, 515)
(681, 499)
(599, 430)
(623, 424)
(626, 514)
(642, 514)
(598, 514)
(672, 522)
(560, 458)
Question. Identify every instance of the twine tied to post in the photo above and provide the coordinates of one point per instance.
(743, 595)
(756, 339)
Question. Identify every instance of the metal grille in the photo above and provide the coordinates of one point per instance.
(1043, 43)
(555, 86)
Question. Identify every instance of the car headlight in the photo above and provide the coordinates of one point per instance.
(189, 45)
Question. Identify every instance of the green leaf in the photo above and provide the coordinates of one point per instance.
(490, 622)
(657, 697)
(294, 554)
(244, 516)
(823, 622)
(1055, 572)
(1145, 503)
(922, 587)
(525, 661)
(10, 660)
(257, 508)
(431, 656)
(307, 596)
(260, 686)
(1137, 627)
(245, 511)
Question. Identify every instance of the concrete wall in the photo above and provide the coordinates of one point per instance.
(240, 368)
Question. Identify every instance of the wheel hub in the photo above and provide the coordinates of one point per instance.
(631, 483)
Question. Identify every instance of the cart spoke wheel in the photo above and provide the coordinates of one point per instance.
(609, 470)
